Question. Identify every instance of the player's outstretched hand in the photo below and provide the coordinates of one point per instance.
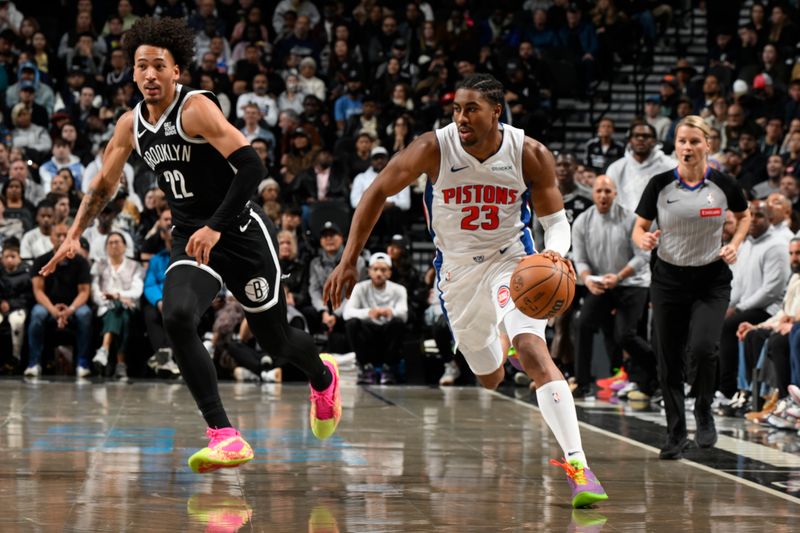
(555, 256)
(67, 250)
(201, 243)
(343, 278)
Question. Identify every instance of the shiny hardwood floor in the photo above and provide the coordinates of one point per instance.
(112, 457)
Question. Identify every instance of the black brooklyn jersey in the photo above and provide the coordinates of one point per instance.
(194, 176)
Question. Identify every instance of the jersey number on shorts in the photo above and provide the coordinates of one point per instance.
(471, 214)
(176, 181)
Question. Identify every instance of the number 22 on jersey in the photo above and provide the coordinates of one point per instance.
(178, 184)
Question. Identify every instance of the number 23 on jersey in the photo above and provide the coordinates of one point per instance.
(488, 215)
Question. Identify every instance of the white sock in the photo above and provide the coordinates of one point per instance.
(558, 410)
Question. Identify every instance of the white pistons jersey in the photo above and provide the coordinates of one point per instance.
(475, 209)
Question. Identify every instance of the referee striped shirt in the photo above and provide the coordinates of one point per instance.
(690, 216)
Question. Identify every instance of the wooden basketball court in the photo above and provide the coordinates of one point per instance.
(112, 457)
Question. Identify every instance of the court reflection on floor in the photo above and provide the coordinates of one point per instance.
(113, 458)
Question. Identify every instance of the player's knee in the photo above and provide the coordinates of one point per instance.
(533, 354)
(493, 380)
(179, 317)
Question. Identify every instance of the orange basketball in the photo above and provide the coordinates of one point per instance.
(541, 288)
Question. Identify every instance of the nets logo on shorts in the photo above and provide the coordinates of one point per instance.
(257, 289)
(503, 295)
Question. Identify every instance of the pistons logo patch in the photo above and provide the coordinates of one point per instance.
(257, 290)
(503, 295)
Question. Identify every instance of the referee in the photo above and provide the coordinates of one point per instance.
(691, 282)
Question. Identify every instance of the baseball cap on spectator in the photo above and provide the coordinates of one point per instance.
(330, 227)
(300, 131)
(512, 66)
(762, 80)
(400, 241)
(352, 75)
(399, 43)
(670, 80)
(739, 87)
(447, 98)
(653, 99)
(27, 85)
(380, 257)
(268, 183)
(28, 65)
(423, 60)
(76, 69)
(378, 151)
(684, 65)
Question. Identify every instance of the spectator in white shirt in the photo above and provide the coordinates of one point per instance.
(375, 316)
(308, 82)
(26, 134)
(253, 130)
(394, 211)
(117, 285)
(292, 97)
(37, 241)
(266, 103)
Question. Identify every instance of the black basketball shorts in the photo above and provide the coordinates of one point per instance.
(245, 260)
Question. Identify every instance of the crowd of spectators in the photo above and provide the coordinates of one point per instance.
(327, 93)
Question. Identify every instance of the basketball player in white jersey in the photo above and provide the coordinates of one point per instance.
(482, 178)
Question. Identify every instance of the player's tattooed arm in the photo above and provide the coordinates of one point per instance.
(93, 202)
(105, 183)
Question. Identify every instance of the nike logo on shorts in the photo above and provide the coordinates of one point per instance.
(244, 227)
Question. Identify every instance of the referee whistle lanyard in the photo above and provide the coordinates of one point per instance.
(699, 184)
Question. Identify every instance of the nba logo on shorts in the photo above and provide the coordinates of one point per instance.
(257, 289)
(503, 295)
(556, 397)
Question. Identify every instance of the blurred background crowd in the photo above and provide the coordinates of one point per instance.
(327, 92)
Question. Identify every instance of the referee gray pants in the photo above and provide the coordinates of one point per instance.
(689, 306)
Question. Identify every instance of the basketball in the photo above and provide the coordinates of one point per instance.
(541, 288)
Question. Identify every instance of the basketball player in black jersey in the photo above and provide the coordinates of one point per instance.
(208, 172)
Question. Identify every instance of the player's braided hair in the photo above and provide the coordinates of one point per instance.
(487, 85)
(170, 33)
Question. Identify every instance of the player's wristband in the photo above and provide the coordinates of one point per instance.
(249, 172)
(556, 232)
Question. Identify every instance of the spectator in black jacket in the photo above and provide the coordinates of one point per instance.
(323, 181)
(603, 150)
(294, 273)
(16, 297)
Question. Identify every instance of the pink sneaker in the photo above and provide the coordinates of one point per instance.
(227, 449)
(326, 406)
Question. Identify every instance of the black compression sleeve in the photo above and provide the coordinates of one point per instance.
(249, 173)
